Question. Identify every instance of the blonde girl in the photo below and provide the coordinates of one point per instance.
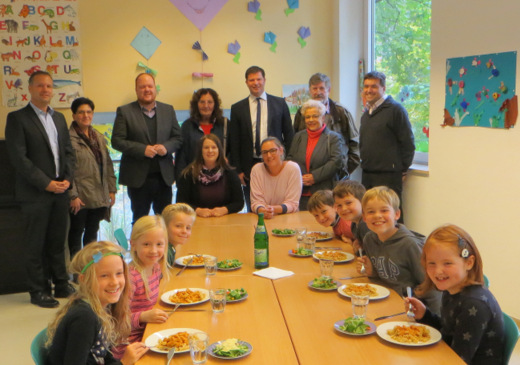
(97, 316)
(179, 219)
(148, 246)
(471, 319)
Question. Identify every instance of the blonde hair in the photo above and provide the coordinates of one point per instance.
(172, 210)
(456, 237)
(141, 227)
(115, 318)
(383, 193)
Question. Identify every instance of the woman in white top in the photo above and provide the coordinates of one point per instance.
(276, 185)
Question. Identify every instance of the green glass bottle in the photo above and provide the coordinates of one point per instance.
(261, 244)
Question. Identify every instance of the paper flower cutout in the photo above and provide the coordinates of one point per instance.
(303, 32)
(254, 7)
(196, 46)
(270, 37)
(293, 4)
(233, 48)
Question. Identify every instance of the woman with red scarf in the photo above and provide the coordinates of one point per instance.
(318, 151)
(93, 190)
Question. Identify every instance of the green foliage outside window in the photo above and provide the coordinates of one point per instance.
(402, 51)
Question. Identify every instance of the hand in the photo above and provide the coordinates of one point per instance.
(160, 149)
(219, 211)
(269, 212)
(112, 198)
(57, 187)
(154, 315)
(134, 352)
(368, 265)
(203, 212)
(150, 152)
(241, 176)
(308, 179)
(418, 307)
(75, 205)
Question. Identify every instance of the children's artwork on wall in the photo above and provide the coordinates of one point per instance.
(295, 96)
(270, 37)
(234, 49)
(42, 37)
(480, 91)
(254, 7)
(292, 6)
(199, 12)
(146, 43)
(303, 32)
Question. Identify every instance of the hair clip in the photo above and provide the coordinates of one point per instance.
(98, 256)
(464, 253)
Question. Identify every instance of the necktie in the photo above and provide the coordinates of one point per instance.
(258, 125)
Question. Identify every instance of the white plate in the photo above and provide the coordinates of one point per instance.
(325, 236)
(349, 258)
(153, 340)
(166, 296)
(382, 292)
(370, 330)
(213, 345)
(284, 235)
(323, 289)
(295, 255)
(435, 336)
(180, 261)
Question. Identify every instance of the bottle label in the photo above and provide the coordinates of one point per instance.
(261, 256)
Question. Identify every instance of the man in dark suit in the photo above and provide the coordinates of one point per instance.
(253, 119)
(147, 133)
(38, 142)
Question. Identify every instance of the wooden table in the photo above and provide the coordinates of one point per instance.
(284, 320)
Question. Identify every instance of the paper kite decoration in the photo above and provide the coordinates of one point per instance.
(146, 69)
(145, 43)
(234, 48)
(293, 5)
(254, 7)
(270, 37)
(196, 46)
(303, 32)
(199, 12)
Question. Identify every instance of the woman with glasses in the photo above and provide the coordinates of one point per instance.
(276, 185)
(318, 151)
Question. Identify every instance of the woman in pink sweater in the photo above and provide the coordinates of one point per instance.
(276, 185)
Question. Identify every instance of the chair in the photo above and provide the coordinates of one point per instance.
(120, 236)
(38, 351)
(486, 281)
(512, 335)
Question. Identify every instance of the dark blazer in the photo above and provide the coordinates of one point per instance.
(130, 136)
(325, 159)
(31, 155)
(241, 142)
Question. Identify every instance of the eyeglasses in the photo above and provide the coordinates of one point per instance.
(315, 116)
(86, 112)
(271, 151)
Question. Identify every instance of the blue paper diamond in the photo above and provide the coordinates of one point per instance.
(145, 43)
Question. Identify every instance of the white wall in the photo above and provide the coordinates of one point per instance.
(474, 173)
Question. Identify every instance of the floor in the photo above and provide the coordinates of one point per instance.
(21, 321)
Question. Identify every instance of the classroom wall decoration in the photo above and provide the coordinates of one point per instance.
(480, 91)
(199, 12)
(40, 36)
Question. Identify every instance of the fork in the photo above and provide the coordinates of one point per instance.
(171, 354)
(363, 271)
(410, 313)
(174, 309)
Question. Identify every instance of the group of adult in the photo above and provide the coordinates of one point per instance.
(258, 156)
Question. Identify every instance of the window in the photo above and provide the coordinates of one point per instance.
(401, 49)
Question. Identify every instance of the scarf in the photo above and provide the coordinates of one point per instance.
(91, 141)
(207, 176)
(312, 141)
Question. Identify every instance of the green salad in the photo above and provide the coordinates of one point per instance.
(229, 264)
(285, 231)
(355, 325)
(230, 348)
(235, 294)
(323, 283)
(301, 252)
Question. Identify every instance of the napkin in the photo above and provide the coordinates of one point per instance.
(273, 273)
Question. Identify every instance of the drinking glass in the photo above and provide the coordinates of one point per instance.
(359, 305)
(309, 243)
(210, 264)
(300, 236)
(326, 267)
(217, 297)
(198, 347)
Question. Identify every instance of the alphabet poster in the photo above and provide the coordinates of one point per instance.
(480, 91)
(40, 35)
